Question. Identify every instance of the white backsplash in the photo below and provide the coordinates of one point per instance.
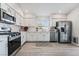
(43, 29)
(14, 28)
(4, 25)
(31, 29)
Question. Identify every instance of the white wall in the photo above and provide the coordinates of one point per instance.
(74, 17)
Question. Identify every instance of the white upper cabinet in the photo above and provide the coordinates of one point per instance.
(23, 22)
(4, 6)
(30, 22)
(10, 9)
(18, 19)
(57, 17)
(7, 9)
(15, 11)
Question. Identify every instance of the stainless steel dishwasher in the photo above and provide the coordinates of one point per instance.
(53, 34)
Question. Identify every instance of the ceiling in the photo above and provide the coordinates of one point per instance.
(47, 8)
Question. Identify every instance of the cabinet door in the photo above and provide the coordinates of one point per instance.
(26, 22)
(4, 6)
(46, 36)
(36, 36)
(23, 22)
(13, 12)
(30, 22)
(9, 10)
(39, 37)
(43, 37)
(3, 46)
(28, 35)
(18, 19)
(31, 36)
(23, 37)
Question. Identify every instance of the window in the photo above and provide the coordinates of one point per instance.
(44, 22)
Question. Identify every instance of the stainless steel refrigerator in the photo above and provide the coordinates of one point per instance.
(64, 31)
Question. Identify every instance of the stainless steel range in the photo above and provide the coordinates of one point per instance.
(14, 42)
(13, 39)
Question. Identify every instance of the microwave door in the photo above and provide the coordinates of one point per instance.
(6, 18)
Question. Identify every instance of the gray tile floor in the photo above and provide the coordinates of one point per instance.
(48, 49)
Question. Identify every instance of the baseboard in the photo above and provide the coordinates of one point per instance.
(53, 41)
(37, 41)
(75, 44)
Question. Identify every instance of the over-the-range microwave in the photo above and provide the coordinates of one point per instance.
(6, 18)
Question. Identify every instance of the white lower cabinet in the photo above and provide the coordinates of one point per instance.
(3, 45)
(31, 36)
(23, 37)
(44, 36)
(38, 36)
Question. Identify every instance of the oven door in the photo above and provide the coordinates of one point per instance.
(13, 45)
